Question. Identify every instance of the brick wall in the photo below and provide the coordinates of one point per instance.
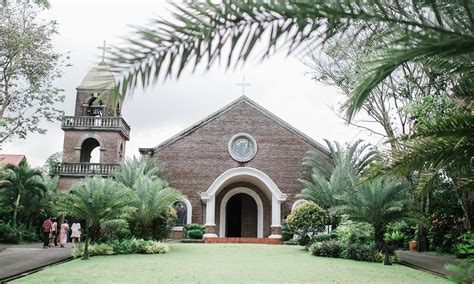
(197, 159)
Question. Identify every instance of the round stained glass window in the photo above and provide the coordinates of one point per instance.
(242, 147)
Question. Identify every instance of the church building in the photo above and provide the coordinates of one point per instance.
(237, 169)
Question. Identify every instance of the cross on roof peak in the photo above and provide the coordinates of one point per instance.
(243, 84)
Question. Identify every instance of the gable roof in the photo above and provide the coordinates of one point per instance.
(249, 102)
(6, 159)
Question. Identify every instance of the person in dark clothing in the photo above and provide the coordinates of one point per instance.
(47, 225)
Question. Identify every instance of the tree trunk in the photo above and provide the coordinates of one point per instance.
(466, 197)
(422, 244)
(17, 204)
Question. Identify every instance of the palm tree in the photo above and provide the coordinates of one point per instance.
(132, 169)
(22, 179)
(98, 200)
(436, 34)
(324, 179)
(377, 202)
(155, 197)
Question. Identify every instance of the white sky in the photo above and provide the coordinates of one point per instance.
(279, 84)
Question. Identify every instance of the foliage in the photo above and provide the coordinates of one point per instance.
(463, 271)
(322, 237)
(126, 246)
(361, 252)
(355, 233)
(378, 202)
(394, 238)
(14, 233)
(21, 180)
(194, 231)
(131, 169)
(49, 167)
(331, 248)
(465, 245)
(97, 200)
(291, 242)
(286, 234)
(28, 68)
(115, 229)
(155, 198)
(306, 220)
(163, 223)
(324, 179)
(194, 234)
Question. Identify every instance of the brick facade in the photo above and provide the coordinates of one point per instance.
(197, 156)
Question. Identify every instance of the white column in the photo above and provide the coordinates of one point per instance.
(276, 218)
(210, 222)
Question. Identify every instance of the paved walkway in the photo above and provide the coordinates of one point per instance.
(428, 262)
(18, 259)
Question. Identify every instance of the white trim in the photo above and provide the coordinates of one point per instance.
(240, 172)
(223, 212)
(297, 203)
(189, 212)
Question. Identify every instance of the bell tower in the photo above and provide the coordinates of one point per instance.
(95, 137)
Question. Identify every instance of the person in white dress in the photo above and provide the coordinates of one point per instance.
(75, 232)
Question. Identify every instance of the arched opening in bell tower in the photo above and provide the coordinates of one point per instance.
(90, 151)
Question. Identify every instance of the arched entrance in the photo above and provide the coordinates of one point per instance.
(248, 175)
(90, 151)
(241, 214)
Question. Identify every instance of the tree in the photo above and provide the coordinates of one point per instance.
(155, 199)
(98, 200)
(324, 179)
(28, 67)
(436, 34)
(20, 180)
(132, 169)
(377, 202)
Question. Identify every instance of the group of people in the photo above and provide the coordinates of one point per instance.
(52, 234)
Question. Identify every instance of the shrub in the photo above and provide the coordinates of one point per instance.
(331, 248)
(359, 252)
(127, 246)
(395, 238)
(324, 237)
(355, 232)
(9, 233)
(190, 227)
(306, 220)
(291, 242)
(116, 229)
(286, 234)
(465, 245)
(195, 234)
(194, 231)
(163, 223)
(14, 233)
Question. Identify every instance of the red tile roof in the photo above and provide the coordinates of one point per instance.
(6, 159)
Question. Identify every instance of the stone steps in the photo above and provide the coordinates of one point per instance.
(266, 241)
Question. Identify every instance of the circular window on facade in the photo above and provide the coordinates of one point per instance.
(242, 147)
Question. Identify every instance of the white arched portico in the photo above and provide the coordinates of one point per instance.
(244, 174)
(223, 211)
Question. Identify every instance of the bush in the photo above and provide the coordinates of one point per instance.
(194, 231)
(163, 223)
(116, 229)
(291, 242)
(128, 246)
(359, 252)
(195, 234)
(331, 248)
(355, 232)
(465, 245)
(324, 237)
(15, 233)
(306, 220)
(286, 234)
(394, 238)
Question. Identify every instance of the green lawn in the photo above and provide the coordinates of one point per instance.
(224, 263)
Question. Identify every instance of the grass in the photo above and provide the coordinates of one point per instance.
(226, 263)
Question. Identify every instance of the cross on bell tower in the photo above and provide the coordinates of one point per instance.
(104, 49)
